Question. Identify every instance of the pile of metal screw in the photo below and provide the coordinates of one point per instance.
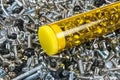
(22, 58)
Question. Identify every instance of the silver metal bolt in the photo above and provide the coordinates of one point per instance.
(80, 66)
(28, 73)
(71, 75)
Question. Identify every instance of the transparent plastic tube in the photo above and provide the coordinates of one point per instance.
(80, 28)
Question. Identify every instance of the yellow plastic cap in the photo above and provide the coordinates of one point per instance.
(48, 40)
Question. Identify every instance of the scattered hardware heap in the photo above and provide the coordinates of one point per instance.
(22, 57)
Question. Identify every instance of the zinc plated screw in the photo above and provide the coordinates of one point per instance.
(6, 13)
(112, 69)
(112, 54)
(34, 76)
(19, 2)
(23, 10)
(80, 66)
(114, 62)
(24, 2)
(84, 77)
(96, 72)
(8, 55)
(29, 60)
(49, 19)
(108, 2)
(36, 61)
(89, 65)
(102, 54)
(32, 62)
(12, 6)
(71, 75)
(5, 61)
(15, 50)
(29, 41)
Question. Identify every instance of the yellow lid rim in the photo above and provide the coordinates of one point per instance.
(48, 40)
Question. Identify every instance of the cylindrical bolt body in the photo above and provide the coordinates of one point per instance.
(80, 28)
